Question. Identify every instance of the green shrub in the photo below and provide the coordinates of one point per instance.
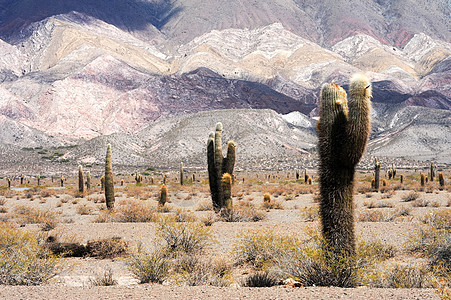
(24, 260)
(151, 267)
(185, 237)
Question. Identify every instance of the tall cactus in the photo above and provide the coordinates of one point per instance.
(377, 172)
(344, 128)
(163, 196)
(81, 180)
(432, 172)
(109, 184)
(88, 180)
(181, 173)
(218, 165)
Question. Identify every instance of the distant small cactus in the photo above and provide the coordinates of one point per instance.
(441, 180)
(422, 179)
(109, 182)
(377, 170)
(384, 182)
(181, 173)
(81, 180)
(266, 197)
(432, 171)
(88, 180)
(401, 178)
(163, 196)
(227, 190)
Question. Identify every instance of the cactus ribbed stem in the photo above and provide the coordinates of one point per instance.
(422, 179)
(163, 196)
(109, 183)
(181, 173)
(218, 165)
(377, 171)
(88, 180)
(343, 135)
(227, 189)
(81, 180)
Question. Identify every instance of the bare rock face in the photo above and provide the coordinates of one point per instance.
(83, 71)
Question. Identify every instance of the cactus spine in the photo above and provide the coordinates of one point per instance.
(218, 165)
(344, 129)
(181, 173)
(81, 180)
(109, 183)
(377, 172)
(163, 196)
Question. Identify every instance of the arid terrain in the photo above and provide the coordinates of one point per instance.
(390, 221)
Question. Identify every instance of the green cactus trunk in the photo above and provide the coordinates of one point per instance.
(441, 180)
(377, 172)
(109, 183)
(181, 173)
(81, 180)
(227, 190)
(88, 180)
(432, 172)
(343, 135)
(218, 165)
(163, 196)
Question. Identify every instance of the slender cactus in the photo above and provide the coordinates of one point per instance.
(38, 179)
(181, 173)
(422, 179)
(305, 176)
(163, 196)
(441, 180)
(219, 165)
(432, 172)
(102, 183)
(401, 178)
(62, 181)
(88, 180)
(377, 171)
(109, 183)
(81, 180)
(227, 190)
(344, 129)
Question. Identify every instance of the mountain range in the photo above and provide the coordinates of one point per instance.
(153, 77)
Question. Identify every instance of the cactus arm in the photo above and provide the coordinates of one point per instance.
(229, 162)
(218, 163)
(226, 182)
(358, 124)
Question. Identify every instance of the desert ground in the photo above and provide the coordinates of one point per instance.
(393, 228)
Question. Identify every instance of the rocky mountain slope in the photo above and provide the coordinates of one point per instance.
(72, 72)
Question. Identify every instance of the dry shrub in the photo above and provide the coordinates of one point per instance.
(378, 204)
(2, 201)
(261, 279)
(204, 206)
(260, 247)
(103, 279)
(130, 212)
(208, 219)
(371, 216)
(24, 260)
(410, 196)
(439, 219)
(84, 209)
(272, 205)
(243, 212)
(388, 194)
(151, 267)
(30, 215)
(421, 203)
(184, 216)
(186, 237)
(401, 276)
(107, 248)
(195, 270)
(310, 214)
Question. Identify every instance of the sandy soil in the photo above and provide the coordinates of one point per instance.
(74, 282)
